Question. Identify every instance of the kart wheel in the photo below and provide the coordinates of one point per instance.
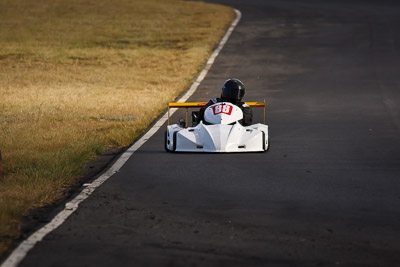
(174, 138)
(166, 141)
(264, 139)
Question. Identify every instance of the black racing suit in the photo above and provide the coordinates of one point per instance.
(246, 109)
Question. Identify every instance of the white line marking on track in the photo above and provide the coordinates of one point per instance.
(22, 250)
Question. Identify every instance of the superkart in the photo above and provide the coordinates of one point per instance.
(220, 131)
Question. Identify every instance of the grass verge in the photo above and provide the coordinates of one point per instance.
(80, 76)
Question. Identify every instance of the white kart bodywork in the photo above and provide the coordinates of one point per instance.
(222, 133)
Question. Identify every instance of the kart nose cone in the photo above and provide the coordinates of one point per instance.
(219, 138)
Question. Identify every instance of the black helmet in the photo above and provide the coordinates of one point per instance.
(233, 91)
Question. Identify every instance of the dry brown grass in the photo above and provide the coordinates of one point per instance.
(79, 76)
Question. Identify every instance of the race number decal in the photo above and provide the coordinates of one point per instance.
(222, 108)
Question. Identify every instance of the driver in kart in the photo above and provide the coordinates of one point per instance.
(233, 92)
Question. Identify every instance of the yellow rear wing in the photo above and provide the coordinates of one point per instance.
(188, 105)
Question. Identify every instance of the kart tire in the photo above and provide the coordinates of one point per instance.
(174, 138)
(263, 140)
(166, 142)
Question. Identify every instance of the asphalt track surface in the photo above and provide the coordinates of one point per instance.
(326, 194)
